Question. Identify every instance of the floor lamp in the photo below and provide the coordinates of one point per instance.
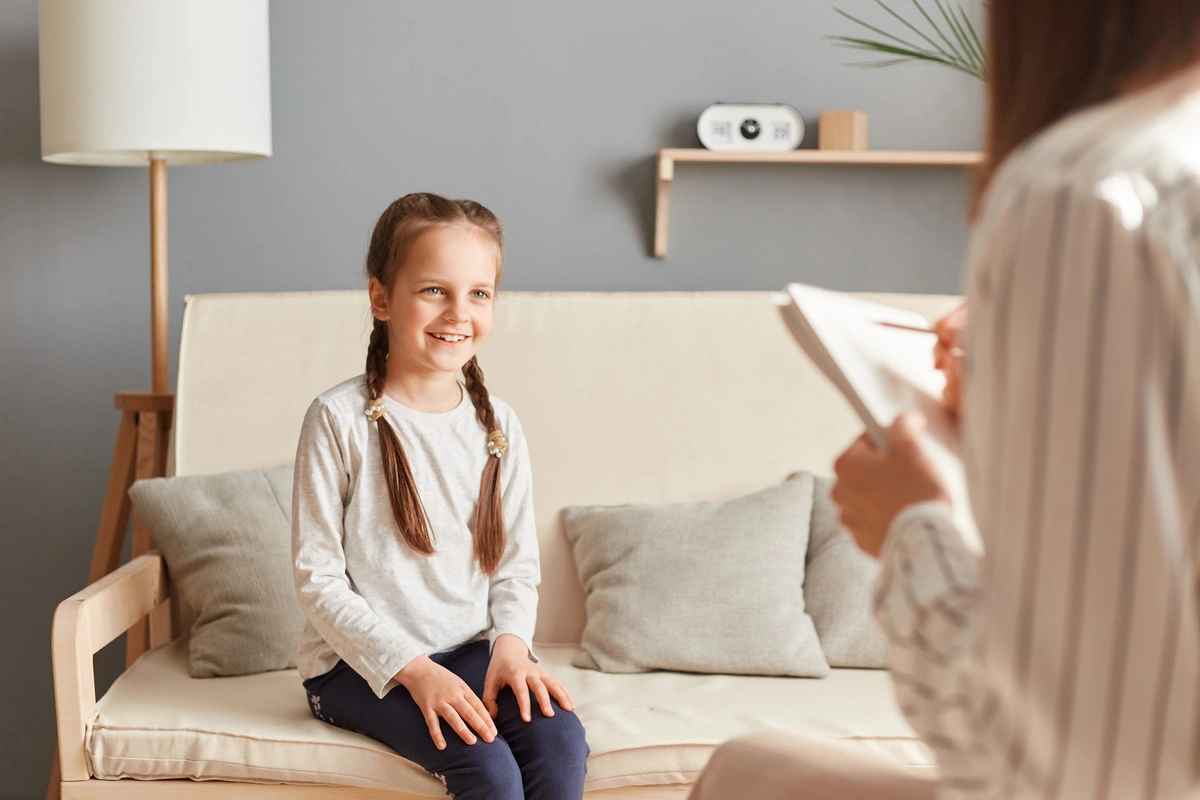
(131, 83)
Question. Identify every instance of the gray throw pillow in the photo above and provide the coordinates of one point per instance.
(700, 587)
(227, 543)
(838, 582)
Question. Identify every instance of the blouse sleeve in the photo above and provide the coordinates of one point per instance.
(375, 649)
(926, 601)
(512, 595)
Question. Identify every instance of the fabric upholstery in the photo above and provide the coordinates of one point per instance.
(698, 587)
(643, 729)
(226, 539)
(624, 398)
(838, 583)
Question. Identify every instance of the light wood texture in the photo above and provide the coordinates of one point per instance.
(114, 513)
(135, 640)
(205, 790)
(141, 449)
(144, 401)
(151, 461)
(662, 206)
(915, 158)
(54, 788)
(158, 274)
(140, 452)
(668, 157)
(162, 619)
(842, 130)
(83, 624)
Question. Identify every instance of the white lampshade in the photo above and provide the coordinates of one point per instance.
(187, 81)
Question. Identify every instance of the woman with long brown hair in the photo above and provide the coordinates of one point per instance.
(1065, 661)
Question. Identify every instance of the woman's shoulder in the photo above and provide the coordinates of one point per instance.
(1126, 151)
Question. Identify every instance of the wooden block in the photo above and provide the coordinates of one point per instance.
(843, 130)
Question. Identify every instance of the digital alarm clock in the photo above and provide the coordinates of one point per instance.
(725, 126)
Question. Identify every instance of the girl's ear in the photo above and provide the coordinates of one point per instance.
(379, 299)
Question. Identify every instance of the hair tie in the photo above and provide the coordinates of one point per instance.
(497, 444)
(375, 409)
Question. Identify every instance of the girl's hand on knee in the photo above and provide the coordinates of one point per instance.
(440, 694)
(512, 667)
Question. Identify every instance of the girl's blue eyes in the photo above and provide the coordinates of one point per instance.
(481, 294)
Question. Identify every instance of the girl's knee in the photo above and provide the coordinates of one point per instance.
(563, 735)
(559, 764)
(487, 771)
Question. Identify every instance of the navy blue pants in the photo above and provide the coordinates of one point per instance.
(543, 759)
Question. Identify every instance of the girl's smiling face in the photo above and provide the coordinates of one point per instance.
(439, 307)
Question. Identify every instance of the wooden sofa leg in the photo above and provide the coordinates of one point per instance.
(54, 790)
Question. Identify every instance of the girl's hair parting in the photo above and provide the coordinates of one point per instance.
(398, 227)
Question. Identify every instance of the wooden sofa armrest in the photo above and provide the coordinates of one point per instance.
(83, 624)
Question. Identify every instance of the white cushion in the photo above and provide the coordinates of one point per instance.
(624, 398)
(653, 728)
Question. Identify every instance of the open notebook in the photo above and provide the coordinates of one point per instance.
(881, 371)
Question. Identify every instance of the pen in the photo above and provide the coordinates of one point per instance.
(907, 327)
(957, 352)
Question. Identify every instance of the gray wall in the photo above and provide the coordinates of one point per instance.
(549, 112)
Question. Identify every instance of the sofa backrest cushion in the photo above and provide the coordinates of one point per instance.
(624, 397)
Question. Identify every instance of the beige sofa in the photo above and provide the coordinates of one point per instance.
(625, 398)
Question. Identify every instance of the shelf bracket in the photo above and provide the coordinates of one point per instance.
(662, 208)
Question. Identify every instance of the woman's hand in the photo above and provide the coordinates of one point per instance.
(948, 355)
(438, 692)
(873, 486)
(512, 667)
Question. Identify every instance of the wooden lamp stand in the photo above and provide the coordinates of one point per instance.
(118, 84)
(142, 437)
(141, 449)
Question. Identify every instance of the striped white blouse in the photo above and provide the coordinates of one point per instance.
(1066, 662)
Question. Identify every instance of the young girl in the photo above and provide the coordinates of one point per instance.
(416, 557)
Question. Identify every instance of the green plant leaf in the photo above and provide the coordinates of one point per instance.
(903, 55)
(937, 29)
(980, 50)
(958, 34)
(917, 30)
(962, 25)
(871, 28)
(953, 42)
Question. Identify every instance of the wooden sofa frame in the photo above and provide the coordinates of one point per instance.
(87, 621)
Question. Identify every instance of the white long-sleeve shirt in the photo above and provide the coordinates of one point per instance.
(368, 598)
(1066, 662)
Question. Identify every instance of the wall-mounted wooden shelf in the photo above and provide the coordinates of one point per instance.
(668, 157)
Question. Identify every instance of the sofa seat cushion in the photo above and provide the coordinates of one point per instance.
(644, 729)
